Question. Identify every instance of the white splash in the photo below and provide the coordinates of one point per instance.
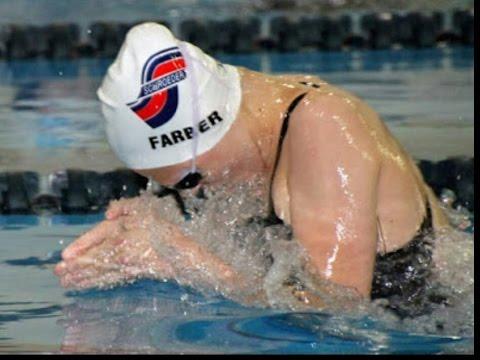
(226, 223)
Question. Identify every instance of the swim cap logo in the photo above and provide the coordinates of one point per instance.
(158, 99)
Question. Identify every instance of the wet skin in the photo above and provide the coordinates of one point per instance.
(343, 183)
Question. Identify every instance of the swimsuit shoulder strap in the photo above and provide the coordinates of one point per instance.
(272, 217)
(427, 224)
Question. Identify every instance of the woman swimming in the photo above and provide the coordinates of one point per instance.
(355, 201)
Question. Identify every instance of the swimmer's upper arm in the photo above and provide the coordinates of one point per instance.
(332, 180)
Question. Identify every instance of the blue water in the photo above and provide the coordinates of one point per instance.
(50, 106)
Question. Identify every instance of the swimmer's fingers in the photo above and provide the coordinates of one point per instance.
(115, 210)
(99, 255)
(105, 276)
(92, 279)
(60, 268)
(129, 254)
(93, 237)
(108, 278)
(83, 265)
(120, 207)
(73, 273)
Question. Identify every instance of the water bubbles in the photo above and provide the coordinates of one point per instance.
(229, 221)
(448, 197)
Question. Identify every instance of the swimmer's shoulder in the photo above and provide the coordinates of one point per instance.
(328, 121)
(329, 104)
(303, 80)
(347, 109)
(314, 85)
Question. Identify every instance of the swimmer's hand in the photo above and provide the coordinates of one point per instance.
(116, 250)
(121, 249)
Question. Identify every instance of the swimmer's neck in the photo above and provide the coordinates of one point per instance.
(263, 115)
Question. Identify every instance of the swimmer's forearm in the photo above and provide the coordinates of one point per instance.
(310, 299)
(186, 254)
(215, 272)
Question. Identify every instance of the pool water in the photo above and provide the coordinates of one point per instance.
(148, 316)
(50, 120)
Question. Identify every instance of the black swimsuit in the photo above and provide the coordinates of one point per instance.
(402, 276)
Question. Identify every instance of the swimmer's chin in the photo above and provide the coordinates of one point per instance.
(166, 176)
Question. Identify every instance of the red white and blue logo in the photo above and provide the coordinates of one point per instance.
(158, 99)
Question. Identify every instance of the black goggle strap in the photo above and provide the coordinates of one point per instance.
(189, 181)
(165, 191)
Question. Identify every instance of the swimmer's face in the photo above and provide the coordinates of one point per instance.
(214, 167)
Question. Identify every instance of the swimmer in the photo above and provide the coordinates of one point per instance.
(355, 200)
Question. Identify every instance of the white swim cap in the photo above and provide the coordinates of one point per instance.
(164, 100)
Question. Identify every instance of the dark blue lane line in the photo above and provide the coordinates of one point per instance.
(10, 303)
(26, 314)
(36, 261)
